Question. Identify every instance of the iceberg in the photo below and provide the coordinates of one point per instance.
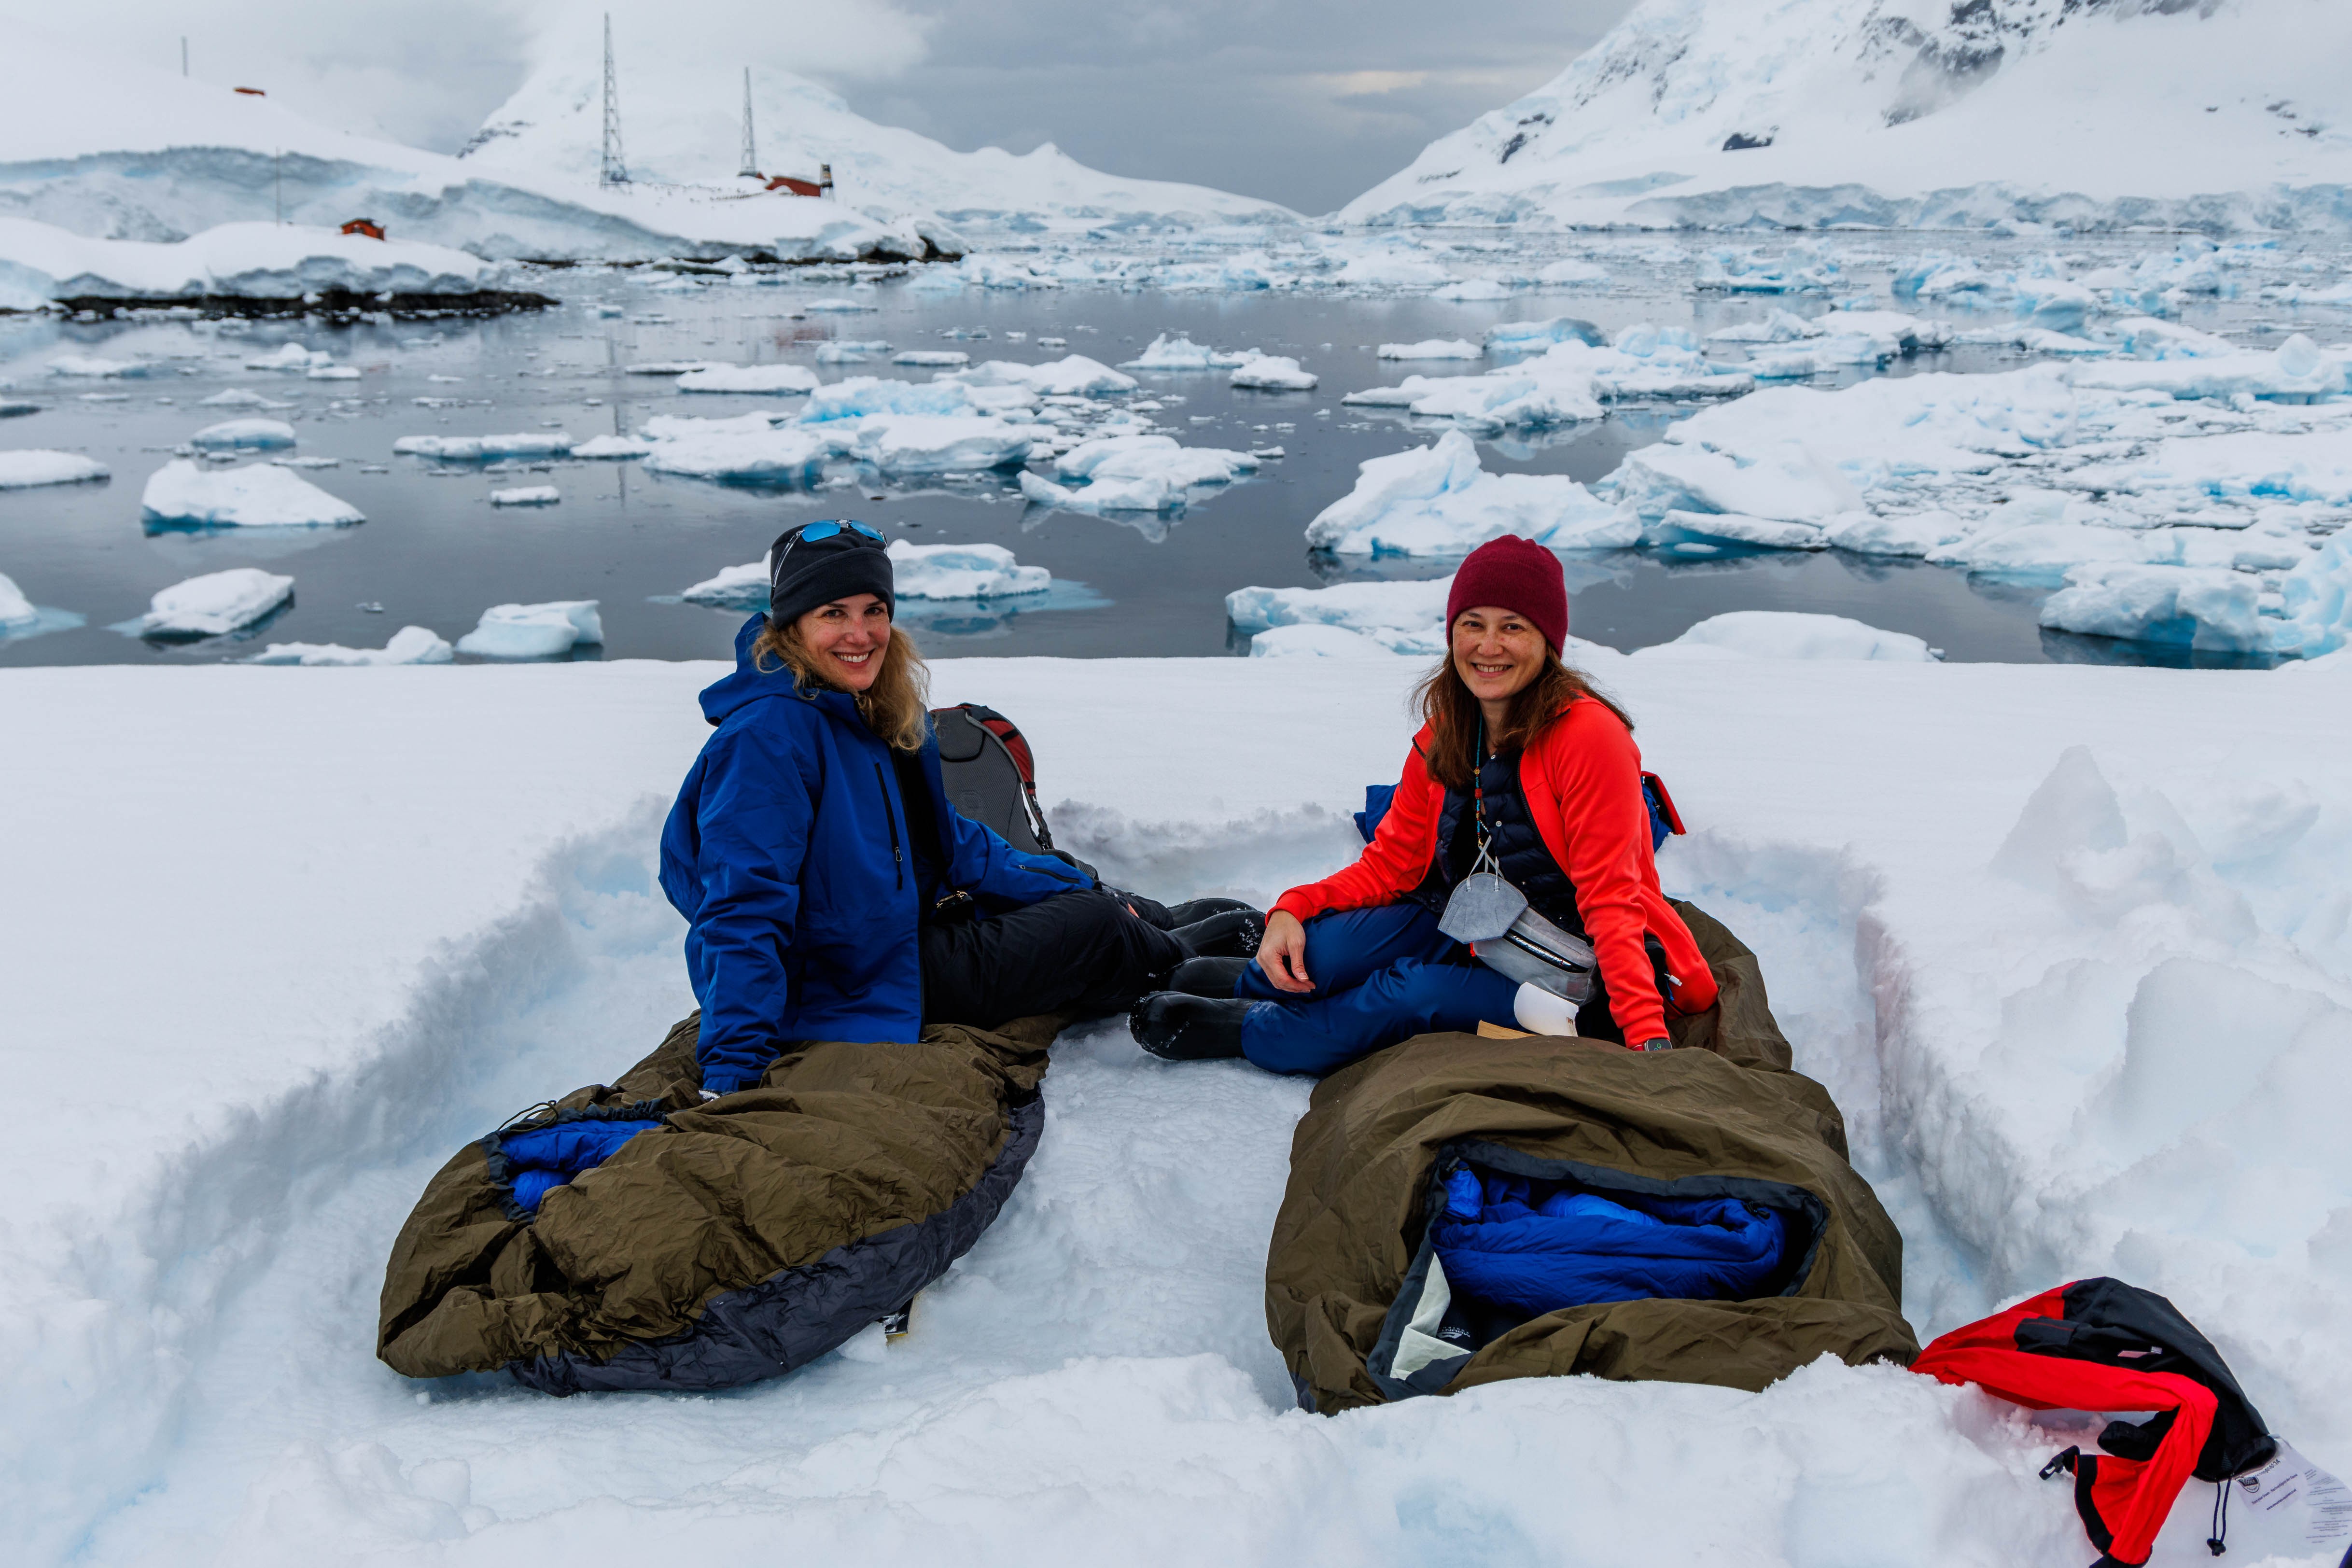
(835, 305)
(1073, 376)
(613, 447)
(941, 358)
(2200, 608)
(744, 587)
(527, 495)
(1526, 337)
(1318, 641)
(184, 495)
(938, 444)
(748, 449)
(15, 610)
(482, 448)
(1392, 618)
(533, 631)
(215, 603)
(788, 379)
(1432, 348)
(291, 356)
(25, 468)
(1274, 373)
(1787, 633)
(239, 397)
(410, 645)
(1134, 473)
(91, 366)
(1437, 500)
(958, 571)
(1566, 383)
(2315, 613)
(254, 434)
(843, 352)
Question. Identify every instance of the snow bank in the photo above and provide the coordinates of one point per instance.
(410, 645)
(1437, 500)
(527, 495)
(484, 448)
(1785, 634)
(533, 631)
(244, 261)
(215, 603)
(957, 571)
(262, 435)
(181, 493)
(27, 467)
(782, 378)
(1273, 373)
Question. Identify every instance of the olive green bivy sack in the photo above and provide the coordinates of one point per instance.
(1357, 1300)
(740, 1237)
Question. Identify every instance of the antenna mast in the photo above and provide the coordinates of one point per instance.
(751, 168)
(615, 168)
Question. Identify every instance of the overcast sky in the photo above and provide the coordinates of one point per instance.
(1305, 103)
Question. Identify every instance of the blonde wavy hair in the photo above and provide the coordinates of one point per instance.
(896, 707)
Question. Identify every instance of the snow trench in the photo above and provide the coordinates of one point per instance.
(1097, 1370)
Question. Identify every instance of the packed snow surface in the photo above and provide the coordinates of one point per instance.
(535, 631)
(182, 493)
(2085, 1011)
(1805, 113)
(215, 603)
(1437, 500)
(409, 644)
(26, 467)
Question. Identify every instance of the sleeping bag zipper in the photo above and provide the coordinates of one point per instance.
(890, 814)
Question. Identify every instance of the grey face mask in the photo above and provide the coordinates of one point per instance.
(1483, 905)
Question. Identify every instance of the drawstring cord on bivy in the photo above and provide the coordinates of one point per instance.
(2213, 1542)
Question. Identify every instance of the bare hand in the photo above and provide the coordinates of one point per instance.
(1282, 952)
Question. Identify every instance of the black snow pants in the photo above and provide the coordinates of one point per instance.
(1078, 953)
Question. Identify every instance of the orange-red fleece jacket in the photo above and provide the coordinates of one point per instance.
(1582, 782)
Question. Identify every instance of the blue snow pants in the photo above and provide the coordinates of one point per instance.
(1381, 975)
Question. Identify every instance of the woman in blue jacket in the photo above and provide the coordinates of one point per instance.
(832, 891)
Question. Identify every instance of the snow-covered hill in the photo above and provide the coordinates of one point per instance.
(116, 150)
(2225, 114)
(681, 123)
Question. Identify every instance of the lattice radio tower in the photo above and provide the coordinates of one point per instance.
(751, 150)
(615, 168)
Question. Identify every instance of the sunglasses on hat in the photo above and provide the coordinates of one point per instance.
(815, 531)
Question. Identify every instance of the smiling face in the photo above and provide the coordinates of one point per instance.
(1495, 653)
(846, 639)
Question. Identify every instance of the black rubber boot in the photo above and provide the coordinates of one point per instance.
(1233, 934)
(1181, 1029)
(1212, 977)
(1184, 914)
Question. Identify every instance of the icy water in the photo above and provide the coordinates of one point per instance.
(434, 552)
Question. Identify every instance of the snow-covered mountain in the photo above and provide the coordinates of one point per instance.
(2219, 113)
(681, 123)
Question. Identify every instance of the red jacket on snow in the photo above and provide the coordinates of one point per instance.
(1582, 782)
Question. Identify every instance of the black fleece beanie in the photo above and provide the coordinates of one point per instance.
(804, 574)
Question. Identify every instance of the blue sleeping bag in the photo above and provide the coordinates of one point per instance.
(1535, 1246)
(547, 1157)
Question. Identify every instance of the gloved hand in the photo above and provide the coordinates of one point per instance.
(1660, 1044)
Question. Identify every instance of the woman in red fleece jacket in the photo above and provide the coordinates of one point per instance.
(1516, 748)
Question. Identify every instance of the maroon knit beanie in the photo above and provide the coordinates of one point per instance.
(1513, 573)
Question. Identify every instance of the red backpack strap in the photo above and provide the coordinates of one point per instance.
(1015, 747)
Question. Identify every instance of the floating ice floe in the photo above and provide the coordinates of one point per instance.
(332, 372)
(1274, 372)
(1134, 473)
(291, 356)
(1432, 348)
(941, 358)
(672, 366)
(1437, 500)
(25, 468)
(1074, 375)
(535, 631)
(744, 587)
(15, 610)
(1179, 351)
(182, 494)
(12, 409)
(92, 365)
(239, 397)
(1566, 383)
(1390, 268)
(1472, 288)
(1533, 337)
(215, 603)
(527, 495)
(1350, 618)
(251, 433)
(845, 353)
(482, 448)
(1789, 634)
(940, 444)
(410, 645)
(1801, 268)
(613, 447)
(957, 572)
(836, 305)
(750, 449)
(790, 379)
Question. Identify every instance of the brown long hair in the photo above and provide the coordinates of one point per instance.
(896, 707)
(1454, 715)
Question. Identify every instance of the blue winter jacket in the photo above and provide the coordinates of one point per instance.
(788, 852)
